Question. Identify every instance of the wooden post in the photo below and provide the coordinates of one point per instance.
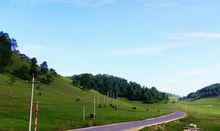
(98, 100)
(94, 114)
(84, 112)
(110, 94)
(36, 117)
(113, 97)
(107, 97)
(31, 104)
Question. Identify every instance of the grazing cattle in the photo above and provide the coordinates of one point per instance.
(78, 99)
(91, 115)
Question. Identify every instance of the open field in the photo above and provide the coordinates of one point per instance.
(58, 108)
(204, 112)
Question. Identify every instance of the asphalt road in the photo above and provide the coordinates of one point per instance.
(132, 126)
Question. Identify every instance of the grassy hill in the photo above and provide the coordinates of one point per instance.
(58, 105)
(60, 110)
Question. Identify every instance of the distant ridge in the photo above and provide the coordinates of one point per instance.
(209, 91)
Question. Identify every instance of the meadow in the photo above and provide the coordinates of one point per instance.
(205, 113)
(61, 106)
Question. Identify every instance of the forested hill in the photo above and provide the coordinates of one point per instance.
(19, 65)
(209, 91)
(119, 87)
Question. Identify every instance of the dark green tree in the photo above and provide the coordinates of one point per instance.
(5, 51)
(119, 87)
(53, 72)
(33, 68)
(23, 73)
(44, 67)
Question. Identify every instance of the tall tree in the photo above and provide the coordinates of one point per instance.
(44, 67)
(33, 68)
(14, 45)
(5, 51)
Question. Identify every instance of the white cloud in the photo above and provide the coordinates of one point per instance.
(194, 36)
(175, 40)
(78, 3)
(168, 6)
(143, 50)
(29, 47)
(169, 80)
(201, 71)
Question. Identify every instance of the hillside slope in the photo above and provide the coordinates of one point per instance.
(61, 104)
(59, 109)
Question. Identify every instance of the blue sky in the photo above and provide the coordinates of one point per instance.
(171, 44)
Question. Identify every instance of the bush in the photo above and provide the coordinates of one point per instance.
(78, 99)
(91, 116)
(46, 78)
(11, 80)
(23, 73)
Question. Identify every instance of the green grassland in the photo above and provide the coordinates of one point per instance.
(205, 113)
(58, 108)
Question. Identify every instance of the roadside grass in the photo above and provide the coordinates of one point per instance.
(205, 113)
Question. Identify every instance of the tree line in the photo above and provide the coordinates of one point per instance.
(8, 46)
(119, 87)
(209, 91)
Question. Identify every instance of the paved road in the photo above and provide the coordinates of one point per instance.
(132, 126)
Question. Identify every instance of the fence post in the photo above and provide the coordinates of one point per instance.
(31, 104)
(36, 117)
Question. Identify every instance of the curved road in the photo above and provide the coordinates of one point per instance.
(132, 126)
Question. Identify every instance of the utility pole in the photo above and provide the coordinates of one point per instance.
(110, 96)
(31, 104)
(94, 115)
(113, 97)
(107, 97)
(84, 112)
(36, 117)
(104, 99)
(98, 100)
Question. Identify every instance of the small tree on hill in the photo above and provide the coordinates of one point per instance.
(44, 67)
(14, 45)
(53, 72)
(33, 68)
(23, 73)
